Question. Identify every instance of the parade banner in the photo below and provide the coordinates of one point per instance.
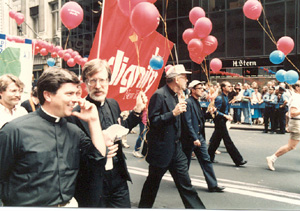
(16, 59)
(128, 58)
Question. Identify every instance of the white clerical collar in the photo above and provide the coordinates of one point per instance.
(55, 117)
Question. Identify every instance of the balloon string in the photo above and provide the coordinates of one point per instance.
(267, 22)
(266, 32)
(292, 63)
(167, 39)
(137, 49)
(67, 39)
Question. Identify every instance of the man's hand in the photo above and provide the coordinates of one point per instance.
(228, 117)
(141, 102)
(88, 113)
(112, 150)
(180, 108)
(197, 143)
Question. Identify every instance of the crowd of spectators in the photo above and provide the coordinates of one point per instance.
(247, 102)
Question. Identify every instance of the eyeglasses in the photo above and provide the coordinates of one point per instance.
(199, 88)
(93, 81)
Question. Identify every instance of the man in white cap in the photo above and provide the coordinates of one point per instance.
(164, 147)
(193, 135)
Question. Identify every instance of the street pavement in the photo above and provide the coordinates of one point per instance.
(251, 187)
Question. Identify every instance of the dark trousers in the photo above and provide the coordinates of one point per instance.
(220, 133)
(115, 190)
(237, 114)
(282, 119)
(269, 114)
(204, 161)
(179, 171)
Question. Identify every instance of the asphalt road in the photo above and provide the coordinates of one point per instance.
(250, 187)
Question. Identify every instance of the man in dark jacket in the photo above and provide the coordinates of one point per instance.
(40, 151)
(97, 187)
(164, 147)
(193, 136)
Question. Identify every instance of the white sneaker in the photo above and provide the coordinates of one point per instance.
(137, 154)
(270, 163)
(125, 145)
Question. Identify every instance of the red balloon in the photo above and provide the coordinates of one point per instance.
(144, 19)
(49, 47)
(215, 64)
(43, 52)
(195, 14)
(195, 46)
(41, 44)
(71, 62)
(53, 54)
(83, 61)
(19, 17)
(210, 44)
(71, 14)
(12, 14)
(252, 9)
(36, 50)
(285, 44)
(188, 34)
(61, 53)
(203, 27)
(126, 6)
(67, 56)
(152, 1)
(69, 50)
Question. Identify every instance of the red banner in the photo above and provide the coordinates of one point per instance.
(129, 61)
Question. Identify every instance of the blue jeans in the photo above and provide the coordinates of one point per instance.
(246, 113)
(237, 114)
(141, 137)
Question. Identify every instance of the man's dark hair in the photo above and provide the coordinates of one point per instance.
(223, 84)
(52, 79)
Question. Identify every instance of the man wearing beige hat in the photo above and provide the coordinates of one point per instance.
(193, 135)
(164, 147)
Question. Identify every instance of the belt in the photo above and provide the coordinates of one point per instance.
(294, 118)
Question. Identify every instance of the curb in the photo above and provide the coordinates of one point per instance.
(239, 127)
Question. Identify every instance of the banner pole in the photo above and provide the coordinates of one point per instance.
(100, 31)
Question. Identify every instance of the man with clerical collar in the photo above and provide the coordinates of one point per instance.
(40, 152)
(164, 148)
(11, 89)
(98, 186)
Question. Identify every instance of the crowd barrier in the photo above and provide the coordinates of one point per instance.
(241, 105)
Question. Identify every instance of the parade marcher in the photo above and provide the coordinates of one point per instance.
(221, 131)
(96, 186)
(193, 136)
(33, 103)
(11, 89)
(164, 147)
(294, 128)
(270, 100)
(40, 151)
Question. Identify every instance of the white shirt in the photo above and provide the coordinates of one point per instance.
(295, 103)
(6, 116)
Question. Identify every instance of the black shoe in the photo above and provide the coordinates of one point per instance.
(280, 132)
(216, 189)
(265, 131)
(243, 162)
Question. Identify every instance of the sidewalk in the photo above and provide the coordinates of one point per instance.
(239, 126)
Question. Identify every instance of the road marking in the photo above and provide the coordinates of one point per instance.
(236, 187)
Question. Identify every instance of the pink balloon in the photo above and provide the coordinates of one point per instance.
(252, 9)
(43, 52)
(188, 34)
(71, 62)
(74, 53)
(19, 17)
(195, 14)
(126, 6)
(69, 50)
(152, 1)
(61, 53)
(67, 56)
(49, 47)
(77, 59)
(83, 61)
(57, 48)
(144, 19)
(215, 64)
(210, 44)
(203, 27)
(195, 46)
(285, 44)
(36, 50)
(71, 14)
(12, 14)
(196, 58)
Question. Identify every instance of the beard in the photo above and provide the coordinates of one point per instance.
(99, 98)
